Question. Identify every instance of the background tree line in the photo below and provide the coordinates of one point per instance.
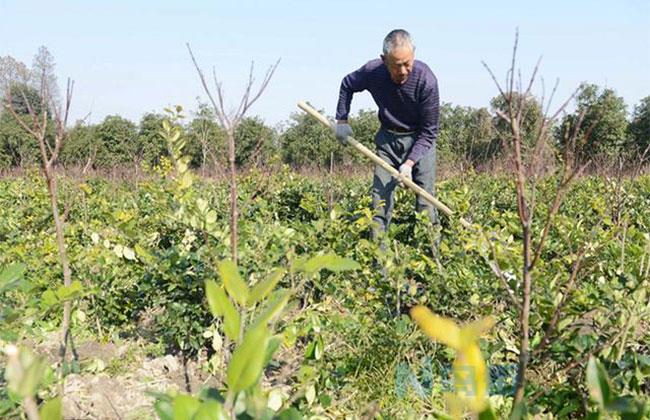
(469, 137)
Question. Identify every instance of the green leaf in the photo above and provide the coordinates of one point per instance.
(519, 411)
(290, 414)
(220, 305)
(331, 262)
(210, 410)
(163, 405)
(144, 255)
(318, 348)
(164, 410)
(262, 289)
(627, 406)
(564, 323)
(232, 324)
(51, 410)
(184, 407)
(65, 293)
(231, 318)
(273, 307)
(598, 383)
(10, 277)
(211, 292)
(487, 414)
(234, 284)
(247, 361)
(271, 347)
(185, 181)
(48, 299)
(210, 217)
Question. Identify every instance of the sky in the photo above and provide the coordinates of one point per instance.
(129, 57)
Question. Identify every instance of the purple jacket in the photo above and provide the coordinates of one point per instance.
(413, 106)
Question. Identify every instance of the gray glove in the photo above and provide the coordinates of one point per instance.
(343, 131)
(406, 172)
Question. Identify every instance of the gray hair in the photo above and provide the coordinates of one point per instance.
(397, 38)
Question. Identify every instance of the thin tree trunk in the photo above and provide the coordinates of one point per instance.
(233, 195)
(524, 351)
(63, 256)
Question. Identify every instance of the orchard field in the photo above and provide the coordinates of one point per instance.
(219, 268)
(313, 320)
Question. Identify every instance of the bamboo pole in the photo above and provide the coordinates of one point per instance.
(379, 161)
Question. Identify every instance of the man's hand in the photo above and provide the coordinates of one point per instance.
(343, 131)
(406, 171)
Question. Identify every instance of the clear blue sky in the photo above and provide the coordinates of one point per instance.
(129, 57)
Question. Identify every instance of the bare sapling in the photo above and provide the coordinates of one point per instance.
(37, 125)
(229, 121)
(526, 164)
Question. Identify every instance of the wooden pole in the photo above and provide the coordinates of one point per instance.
(379, 161)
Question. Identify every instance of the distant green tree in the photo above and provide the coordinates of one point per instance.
(603, 130)
(206, 140)
(22, 96)
(254, 141)
(466, 135)
(150, 145)
(532, 117)
(17, 147)
(639, 128)
(117, 142)
(80, 147)
(307, 142)
(365, 126)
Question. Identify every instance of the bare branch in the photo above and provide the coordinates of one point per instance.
(265, 82)
(247, 92)
(576, 362)
(30, 110)
(564, 105)
(494, 79)
(546, 339)
(502, 115)
(221, 112)
(494, 265)
(20, 121)
(512, 65)
(532, 77)
(523, 97)
(206, 89)
(550, 98)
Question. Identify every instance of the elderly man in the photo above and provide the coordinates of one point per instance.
(406, 92)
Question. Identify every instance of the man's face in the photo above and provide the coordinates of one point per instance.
(399, 63)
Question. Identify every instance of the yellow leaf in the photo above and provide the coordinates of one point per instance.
(440, 329)
(470, 377)
(474, 330)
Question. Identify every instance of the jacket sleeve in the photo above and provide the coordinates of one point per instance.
(353, 82)
(429, 110)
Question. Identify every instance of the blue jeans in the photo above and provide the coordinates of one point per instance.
(394, 149)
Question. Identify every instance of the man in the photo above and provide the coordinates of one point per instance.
(406, 92)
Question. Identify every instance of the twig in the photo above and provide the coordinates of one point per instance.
(546, 339)
(611, 341)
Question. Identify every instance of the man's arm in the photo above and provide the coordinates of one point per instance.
(429, 117)
(353, 82)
